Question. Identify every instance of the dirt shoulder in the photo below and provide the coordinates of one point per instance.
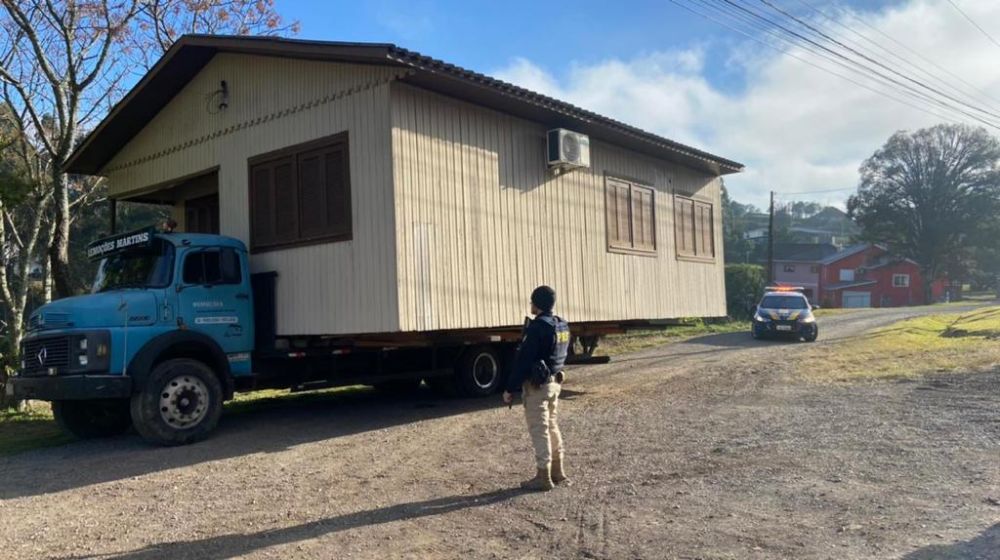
(713, 448)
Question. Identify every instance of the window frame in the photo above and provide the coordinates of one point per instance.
(696, 202)
(900, 275)
(341, 140)
(841, 273)
(200, 252)
(633, 187)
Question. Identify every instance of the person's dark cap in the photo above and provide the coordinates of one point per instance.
(544, 298)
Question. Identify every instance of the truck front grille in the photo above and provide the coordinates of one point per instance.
(41, 354)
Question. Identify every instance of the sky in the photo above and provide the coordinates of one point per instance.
(661, 68)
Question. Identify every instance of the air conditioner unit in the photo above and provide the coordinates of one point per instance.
(568, 149)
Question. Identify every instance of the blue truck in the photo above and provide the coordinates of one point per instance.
(176, 323)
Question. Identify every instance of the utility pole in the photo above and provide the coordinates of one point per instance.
(770, 244)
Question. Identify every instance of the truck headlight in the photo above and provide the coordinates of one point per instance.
(760, 318)
(83, 359)
(807, 318)
(102, 350)
(83, 344)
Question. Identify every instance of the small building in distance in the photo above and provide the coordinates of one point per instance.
(862, 275)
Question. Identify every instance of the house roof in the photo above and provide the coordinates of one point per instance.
(846, 252)
(852, 284)
(192, 52)
(802, 252)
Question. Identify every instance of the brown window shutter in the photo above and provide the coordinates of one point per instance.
(684, 226)
(704, 230)
(261, 205)
(286, 218)
(312, 195)
(619, 227)
(338, 191)
(611, 213)
(643, 224)
(624, 216)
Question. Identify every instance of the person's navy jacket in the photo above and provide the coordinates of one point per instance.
(545, 338)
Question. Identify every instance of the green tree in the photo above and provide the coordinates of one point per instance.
(735, 223)
(931, 195)
(64, 62)
(745, 284)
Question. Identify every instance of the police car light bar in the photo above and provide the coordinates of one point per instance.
(784, 289)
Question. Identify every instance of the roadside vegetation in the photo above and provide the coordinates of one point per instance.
(30, 428)
(640, 339)
(944, 343)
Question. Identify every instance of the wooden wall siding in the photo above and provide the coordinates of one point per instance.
(480, 215)
(333, 288)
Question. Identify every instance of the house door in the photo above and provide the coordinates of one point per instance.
(201, 215)
(857, 299)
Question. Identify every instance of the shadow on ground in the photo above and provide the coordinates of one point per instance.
(234, 545)
(274, 427)
(985, 546)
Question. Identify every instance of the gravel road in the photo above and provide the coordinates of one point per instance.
(704, 449)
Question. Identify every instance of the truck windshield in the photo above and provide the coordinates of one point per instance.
(149, 267)
(784, 302)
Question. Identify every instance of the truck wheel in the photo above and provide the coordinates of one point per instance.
(181, 403)
(92, 419)
(480, 372)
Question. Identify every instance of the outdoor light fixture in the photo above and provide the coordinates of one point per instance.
(223, 95)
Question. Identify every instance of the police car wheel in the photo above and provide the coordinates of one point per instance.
(480, 372)
(811, 337)
(181, 403)
(92, 419)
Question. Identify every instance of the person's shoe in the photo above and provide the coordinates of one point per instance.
(558, 476)
(541, 482)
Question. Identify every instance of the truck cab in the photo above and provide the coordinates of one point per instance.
(158, 343)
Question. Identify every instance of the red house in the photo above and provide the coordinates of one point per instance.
(863, 275)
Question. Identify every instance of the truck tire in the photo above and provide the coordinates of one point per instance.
(92, 419)
(181, 403)
(480, 372)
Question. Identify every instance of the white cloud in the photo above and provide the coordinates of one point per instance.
(796, 127)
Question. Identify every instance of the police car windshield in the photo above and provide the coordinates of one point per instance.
(149, 267)
(784, 302)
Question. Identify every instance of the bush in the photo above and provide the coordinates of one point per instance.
(744, 285)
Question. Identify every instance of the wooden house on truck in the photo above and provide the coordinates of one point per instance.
(394, 193)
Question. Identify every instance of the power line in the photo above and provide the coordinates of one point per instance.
(742, 14)
(973, 22)
(821, 68)
(918, 55)
(982, 97)
(816, 192)
(874, 61)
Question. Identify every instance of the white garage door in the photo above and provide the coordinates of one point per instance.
(857, 299)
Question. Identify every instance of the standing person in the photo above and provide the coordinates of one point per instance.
(538, 374)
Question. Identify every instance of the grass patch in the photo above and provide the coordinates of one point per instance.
(266, 399)
(930, 344)
(824, 312)
(32, 428)
(647, 338)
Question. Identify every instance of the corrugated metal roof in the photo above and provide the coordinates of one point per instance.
(192, 52)
(854, 284)
(852, 250)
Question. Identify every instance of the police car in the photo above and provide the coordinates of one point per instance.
(784, 312)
